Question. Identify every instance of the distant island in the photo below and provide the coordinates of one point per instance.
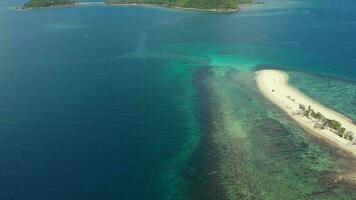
(203, 5)
(47, 3)
(200, 5)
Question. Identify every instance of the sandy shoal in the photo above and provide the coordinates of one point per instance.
(273, 84)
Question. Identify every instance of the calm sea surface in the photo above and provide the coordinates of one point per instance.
(134, 102)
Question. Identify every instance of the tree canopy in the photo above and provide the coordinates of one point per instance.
(47, 3)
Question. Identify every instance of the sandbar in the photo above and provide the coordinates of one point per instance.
(273, 84)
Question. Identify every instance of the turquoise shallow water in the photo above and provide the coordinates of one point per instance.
(151, 103)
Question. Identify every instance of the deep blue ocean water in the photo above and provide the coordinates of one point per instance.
(97, 102)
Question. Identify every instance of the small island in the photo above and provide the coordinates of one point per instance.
(199, 5)
(326, 124)
(47, 3)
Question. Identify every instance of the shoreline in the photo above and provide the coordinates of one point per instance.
(273, 84)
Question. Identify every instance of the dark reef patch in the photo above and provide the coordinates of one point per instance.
(203, 180)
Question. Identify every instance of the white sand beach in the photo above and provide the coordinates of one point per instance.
(273, 84)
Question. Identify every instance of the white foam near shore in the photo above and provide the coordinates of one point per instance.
(273, 84)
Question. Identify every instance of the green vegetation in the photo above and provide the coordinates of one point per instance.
(47, 3)
(332, 124)
(349, 135)
(197, 4)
